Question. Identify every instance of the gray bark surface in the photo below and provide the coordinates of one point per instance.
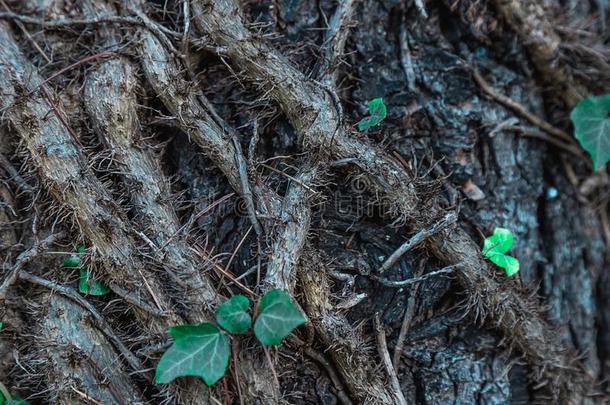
(200, 149)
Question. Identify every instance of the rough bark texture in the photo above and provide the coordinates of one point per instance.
(200, 149)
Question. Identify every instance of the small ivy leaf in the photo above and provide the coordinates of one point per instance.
(592, 127)
(377, 111)
(508, 263)
(2, 399)
(72, 261)
(91, 287)
(1, 326)
(495, 247)
(80, 249)
(277, 317)
(500, 242)
(198, 351)
(232, 315)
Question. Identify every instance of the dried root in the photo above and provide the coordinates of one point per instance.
(317, 122)
(78, 354)
(32, 111)
(314, 111)
(344, 344)
(110, 100)
(528, 19)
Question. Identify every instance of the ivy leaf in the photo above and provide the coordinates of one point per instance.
(495, 247)
(592, 127)
(277, 317)
(232, 315)
(508, 263)
(1, 326)
(198, 351)
(500, 242)
(91, 287)
(15, 400)
(72, 262)
(377, 111)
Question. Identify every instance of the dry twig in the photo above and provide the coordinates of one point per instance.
(24, 258)
(414, 280)
(420, 236)
(387, 362)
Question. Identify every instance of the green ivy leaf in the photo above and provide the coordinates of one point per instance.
(15, 400)
(91, 287)
(72, 262)
(198, 351)
(75, 261)
(495, 247)
(500, 242)
(232, 315)
(508, 263)
(377, 111)
(277, 317)
(592, 127)
(1, 326)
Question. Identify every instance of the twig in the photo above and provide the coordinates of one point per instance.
(417, 238)
(58, 112)
(332, 374)
(151, 291)
(414, 280)
(27, 34)
(201, 253)
(245, 186)
(157, 29)
(87, 397)
(299, 182)
(9, 15)
(334, 41)
(186, 7)
(14, 174)
(235, 350)
(253, 142)
(405, 326)
(102, 324)
(195, 218)
(405, 57)
(23, 259)
(385, 357)
(99, 55)
(547, 138)
(239, 245)
(519, 108)
(270, 362)
(603, 213)
(129, 297)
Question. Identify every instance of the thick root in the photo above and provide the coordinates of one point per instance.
(82, 362)
(340, 339)
(317, 121)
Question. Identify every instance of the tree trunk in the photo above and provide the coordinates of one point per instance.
(200, 149)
